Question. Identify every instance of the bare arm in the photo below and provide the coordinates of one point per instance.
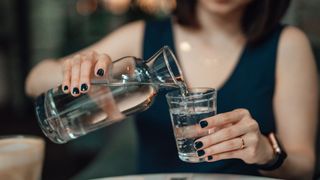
(124, 41)
(296, 105)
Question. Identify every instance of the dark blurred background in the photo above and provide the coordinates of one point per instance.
(33, 30)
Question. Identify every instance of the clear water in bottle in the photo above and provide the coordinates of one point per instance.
(128, 88)
(73, 117)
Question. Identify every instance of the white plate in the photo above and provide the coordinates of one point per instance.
(184, 177)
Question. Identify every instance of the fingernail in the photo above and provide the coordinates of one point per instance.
(210, 158)
(198, 144)
(200, 153)
(75, 91)
(65, 88)
(84, 87)
(203, 124)
(100, 72)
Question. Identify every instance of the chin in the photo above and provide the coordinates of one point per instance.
(223, 7)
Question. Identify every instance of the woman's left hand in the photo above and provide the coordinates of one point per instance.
(238, 137)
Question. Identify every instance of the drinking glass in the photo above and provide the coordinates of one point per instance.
(21, 157)
(186, 110)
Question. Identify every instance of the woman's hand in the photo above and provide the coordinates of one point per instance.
(238, 137)
(77, 74)
(81, 68)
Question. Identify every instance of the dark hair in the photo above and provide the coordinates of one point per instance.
(259, 18)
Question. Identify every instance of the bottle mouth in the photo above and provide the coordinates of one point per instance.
(172, 65)
(165, 66)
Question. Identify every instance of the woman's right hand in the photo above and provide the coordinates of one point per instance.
(79, 69)
(77, 74)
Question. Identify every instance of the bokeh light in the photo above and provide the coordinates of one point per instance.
(86, 7)
(157, 7)
(116, 6)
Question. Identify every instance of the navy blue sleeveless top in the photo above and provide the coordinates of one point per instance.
(250, 86)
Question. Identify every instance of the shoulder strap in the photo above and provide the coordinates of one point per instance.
(156, 35)
(263, 56)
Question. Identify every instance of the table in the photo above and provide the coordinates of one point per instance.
(184, 176)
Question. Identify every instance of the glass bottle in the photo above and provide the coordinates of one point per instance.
(129, 87)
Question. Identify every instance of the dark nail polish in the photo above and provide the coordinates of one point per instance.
(198, 144)
(100, 72)
(84, 87)
(65, 88)
(203, 124)
(210, 158)
(200, 153)
(75, 91)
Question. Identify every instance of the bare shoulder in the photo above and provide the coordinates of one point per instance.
(295, 56)
(294, 48)
(292, 32)
(294, 42)
(296, 71)
(126, 40)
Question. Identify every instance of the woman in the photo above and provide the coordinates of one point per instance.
(265, 73)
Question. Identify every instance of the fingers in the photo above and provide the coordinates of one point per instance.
(102, 65)
(86, 69)
(238, 137)
(237, 154)
(238, 148)
(224, 118)
(66, 76)
(75, 74)
(226, 146)
(242, 147)
(222, 135)
(78, 70)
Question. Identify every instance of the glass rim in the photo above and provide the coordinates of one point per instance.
(207, 91)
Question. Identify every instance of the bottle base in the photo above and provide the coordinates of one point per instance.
(48, 126)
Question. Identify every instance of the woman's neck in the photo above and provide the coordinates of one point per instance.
(211, 23)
